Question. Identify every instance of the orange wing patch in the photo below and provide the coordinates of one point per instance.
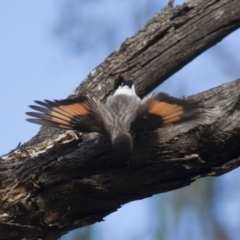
(69, 111)
(62, 114)
(72, 109)
(169, 112)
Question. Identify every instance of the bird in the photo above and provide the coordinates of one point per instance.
(121, 117)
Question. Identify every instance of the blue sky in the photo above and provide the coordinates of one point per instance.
(34, 66)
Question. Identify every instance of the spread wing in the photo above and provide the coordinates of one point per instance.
(82, 114)
(160, 110)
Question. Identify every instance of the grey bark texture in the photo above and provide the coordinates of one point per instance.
(63, 180)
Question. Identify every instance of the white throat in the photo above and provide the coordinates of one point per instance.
(125, 90)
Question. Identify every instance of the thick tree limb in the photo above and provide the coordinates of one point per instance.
(60, 180)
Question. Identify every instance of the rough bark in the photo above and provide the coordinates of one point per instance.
(62, 180)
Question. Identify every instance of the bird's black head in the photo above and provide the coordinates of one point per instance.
(123, 145)
(128, 83)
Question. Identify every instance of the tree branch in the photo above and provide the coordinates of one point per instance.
(62, 180)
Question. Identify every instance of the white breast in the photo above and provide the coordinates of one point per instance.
(125, 90)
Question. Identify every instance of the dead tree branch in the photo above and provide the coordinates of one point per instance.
(61, 180)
